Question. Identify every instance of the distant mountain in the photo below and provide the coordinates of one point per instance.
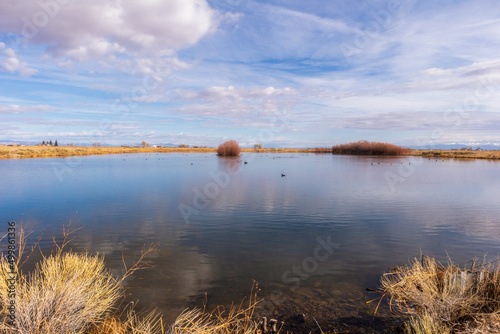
(486, 146)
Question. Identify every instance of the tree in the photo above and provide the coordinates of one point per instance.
(55, 144)
(144, 144)
(257, 147)
(43, 142)
(50, 143)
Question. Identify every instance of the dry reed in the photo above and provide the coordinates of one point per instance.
(364, 147)
(435, 298)
(229, 149)
(237, 320)
(67, 292)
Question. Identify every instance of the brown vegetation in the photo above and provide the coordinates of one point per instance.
(321, 150)
(434, 298)
(364, 147)
(230, 148)
(21, 152)
(457, 154)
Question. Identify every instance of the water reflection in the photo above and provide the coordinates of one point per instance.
(251, 223)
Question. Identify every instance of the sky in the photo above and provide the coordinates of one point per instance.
(279, 73)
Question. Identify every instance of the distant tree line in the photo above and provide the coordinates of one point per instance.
(49, 143)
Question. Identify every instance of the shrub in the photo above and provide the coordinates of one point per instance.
(67, 292)
(229, 149)
(364, 147)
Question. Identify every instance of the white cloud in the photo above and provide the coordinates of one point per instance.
(232, 101)
(110, 31)
(12, 64)
(22, 109)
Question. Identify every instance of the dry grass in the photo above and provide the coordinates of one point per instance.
(70, 292)
(21, 152)
(437, 299)
(322, 150)
(364, 147)
(229, 149)
(236, 320)
(455, 154)
(67, 292)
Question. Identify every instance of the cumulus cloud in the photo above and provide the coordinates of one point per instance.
(109, 30)
(11, 63)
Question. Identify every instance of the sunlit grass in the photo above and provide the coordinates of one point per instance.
(69, 292)
(436, 298)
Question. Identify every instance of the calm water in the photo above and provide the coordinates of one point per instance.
(246, 222)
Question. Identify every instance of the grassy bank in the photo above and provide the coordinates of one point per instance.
(456, 154)
(433, 298)
(23, 152)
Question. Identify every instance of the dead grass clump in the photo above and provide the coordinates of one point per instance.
(433, 296)
(67, 292)
(237, 320)
(364, 147)
(229, 149)
(64, 294)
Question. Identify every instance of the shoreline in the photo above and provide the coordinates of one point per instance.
(29, 152)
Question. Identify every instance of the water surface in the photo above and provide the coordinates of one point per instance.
(220, 223)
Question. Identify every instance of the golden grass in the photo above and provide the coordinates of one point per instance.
(455, 154)
(20, 152)
(67, 292)
(237, 320)
(23, 152)
(437, 299)
(70, 292)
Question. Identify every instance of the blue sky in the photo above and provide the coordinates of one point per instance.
(281, 73)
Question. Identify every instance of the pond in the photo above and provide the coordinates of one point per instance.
(314, 230)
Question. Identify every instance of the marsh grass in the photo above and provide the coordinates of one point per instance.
(238, 319)
(229, 149)
(22, 152)
(436, 298)
(69, 292)
(454, 154)
(364, 147)
(322, 150)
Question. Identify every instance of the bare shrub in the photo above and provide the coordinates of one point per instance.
(364, 147)
(230, 148)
